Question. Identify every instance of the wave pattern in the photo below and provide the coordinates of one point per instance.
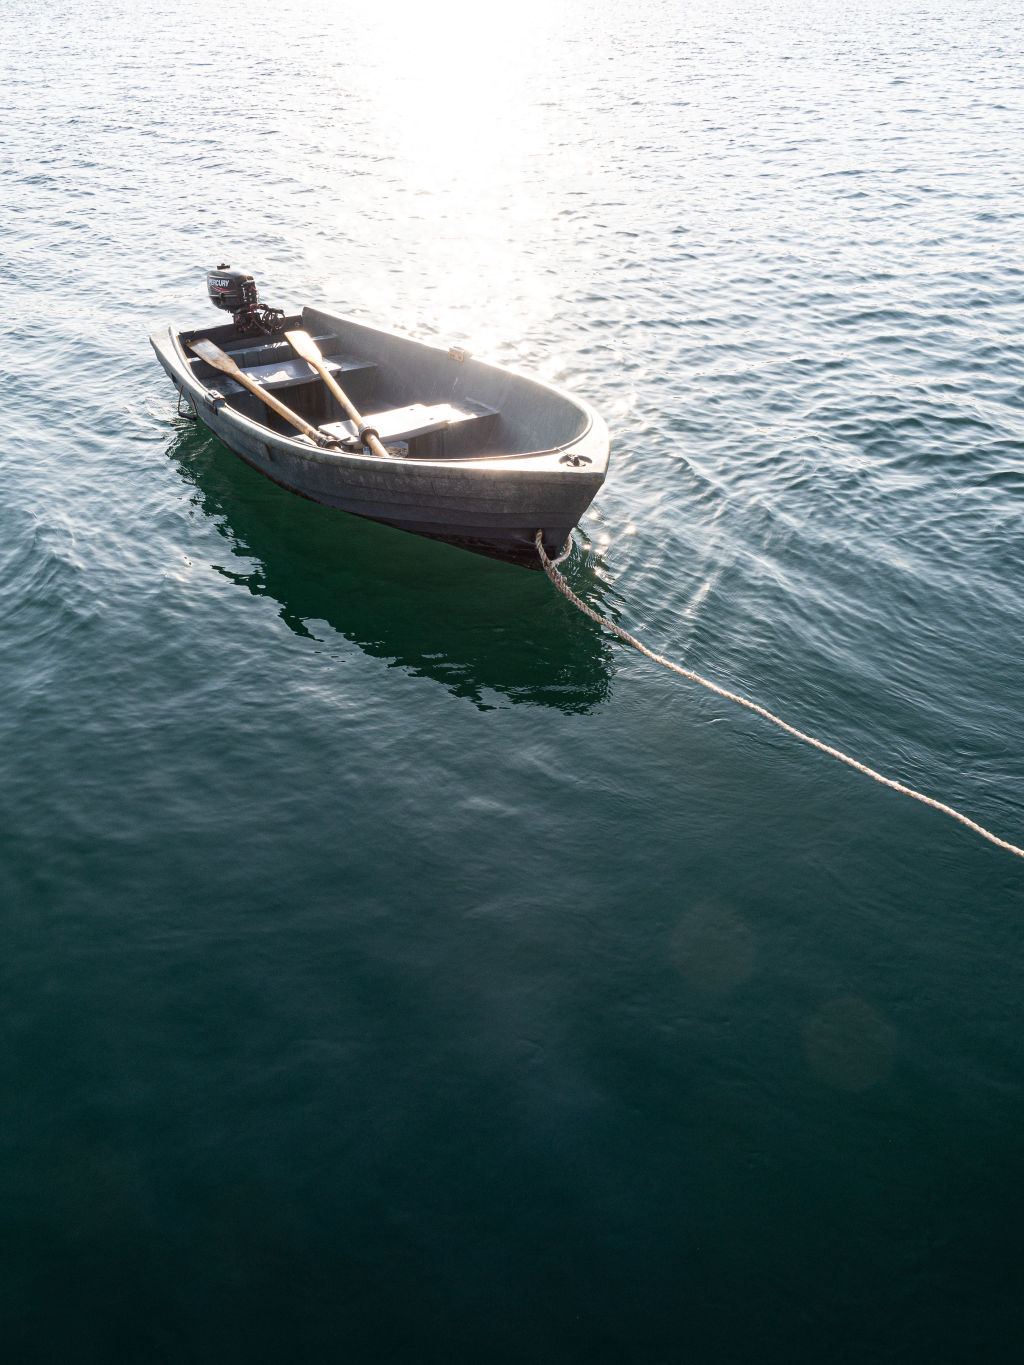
(383, 947)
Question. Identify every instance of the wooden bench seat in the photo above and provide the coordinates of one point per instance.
(286, 374)
(417, 419)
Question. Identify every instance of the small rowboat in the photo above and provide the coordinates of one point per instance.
(414, 435)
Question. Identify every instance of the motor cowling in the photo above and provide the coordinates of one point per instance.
(235, 291)
(232, 290)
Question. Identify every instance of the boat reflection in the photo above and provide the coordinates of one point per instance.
(477, 626)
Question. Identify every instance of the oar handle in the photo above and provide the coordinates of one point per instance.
(368, 435)
(304, 346)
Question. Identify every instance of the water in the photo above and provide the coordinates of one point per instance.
(394, 968)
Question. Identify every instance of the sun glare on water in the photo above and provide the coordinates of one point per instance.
(453, 85)
(459, 109)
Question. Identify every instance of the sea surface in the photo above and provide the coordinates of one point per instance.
(394, 967)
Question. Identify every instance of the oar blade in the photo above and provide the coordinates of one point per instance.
(305, 347)
(213, 355)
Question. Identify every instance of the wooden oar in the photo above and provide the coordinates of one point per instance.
(220, 360)
(303, 345)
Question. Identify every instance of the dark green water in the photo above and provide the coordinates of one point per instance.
(394, 968)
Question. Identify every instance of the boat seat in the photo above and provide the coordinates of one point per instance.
(286, 374)
(417, 419)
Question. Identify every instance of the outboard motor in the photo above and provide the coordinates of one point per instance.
(235, 292)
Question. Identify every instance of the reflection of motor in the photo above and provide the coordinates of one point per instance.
(235, 292)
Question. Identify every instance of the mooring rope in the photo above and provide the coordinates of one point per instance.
(551, 569)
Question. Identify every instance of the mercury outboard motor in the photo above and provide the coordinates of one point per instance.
(235, 292)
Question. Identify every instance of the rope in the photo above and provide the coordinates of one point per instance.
(563, 587)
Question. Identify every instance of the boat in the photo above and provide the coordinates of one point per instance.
(418, 436)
